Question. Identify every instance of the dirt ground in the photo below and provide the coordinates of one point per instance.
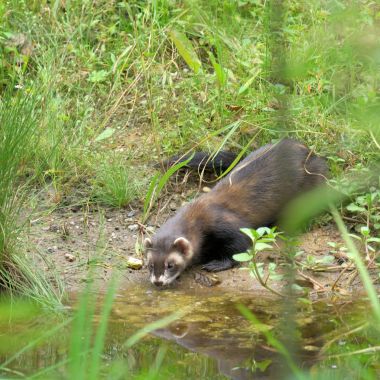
(67, 240)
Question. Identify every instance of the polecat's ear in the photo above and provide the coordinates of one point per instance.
(182, 245)
(147, 243)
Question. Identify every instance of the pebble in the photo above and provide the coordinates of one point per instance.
(131, 213)
(133, 227)
(54, 228)
(173, 206)
(113, 235)
(134, 263)
(52, 249)
(206, 189)
(75, 208)
(69, 257)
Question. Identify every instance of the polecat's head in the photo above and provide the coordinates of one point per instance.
(167, 261)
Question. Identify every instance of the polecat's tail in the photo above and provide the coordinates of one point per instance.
(203, 161)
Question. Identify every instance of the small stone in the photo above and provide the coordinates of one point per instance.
(75, 208)
(131, 213)
(113, 235)
(109, 220)
(150, 229)
(206, 280)
(311, 348)
(134, 263)
(54, 228)
(69, 257)
(133, 227)
(52, 249)
(173, 206)
(206, 189)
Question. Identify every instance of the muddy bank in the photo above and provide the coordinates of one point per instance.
(70, 239)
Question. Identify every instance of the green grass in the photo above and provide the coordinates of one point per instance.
(120, 66)
(18, 275)
(114, 185)
(93, 92)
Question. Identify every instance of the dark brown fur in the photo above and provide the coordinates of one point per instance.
(254, 194)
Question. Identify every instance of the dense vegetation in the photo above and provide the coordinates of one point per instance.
(93, 92)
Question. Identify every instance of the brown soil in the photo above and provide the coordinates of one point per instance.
(67, 240)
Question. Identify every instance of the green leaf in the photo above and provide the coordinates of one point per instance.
(98, 76)
(242, 257)
(251, 233)
(263, 365)
(264, 230)
(355, 208)
(221, 74)
(107, 133)
(365, 231)
(248, 83)
(185, 49)
(326, 260)
(261, 246)
(305, 301)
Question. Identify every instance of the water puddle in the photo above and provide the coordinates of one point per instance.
(212, 340)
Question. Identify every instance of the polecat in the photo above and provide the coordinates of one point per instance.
(254, 194)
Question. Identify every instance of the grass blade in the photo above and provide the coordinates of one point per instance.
(155, 188)
(355, 256)
(186, 50)
(101, 330)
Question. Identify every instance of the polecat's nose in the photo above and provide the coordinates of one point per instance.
(158, 282)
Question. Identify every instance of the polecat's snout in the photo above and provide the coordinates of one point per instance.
(166, 266)
(158, 282)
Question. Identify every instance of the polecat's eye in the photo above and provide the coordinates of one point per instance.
(151, 266)
(170, 265)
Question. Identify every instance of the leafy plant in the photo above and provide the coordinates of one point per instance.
(369, 243)
(366, 209)
(314, 263)
(262, 239)
(355, 256)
